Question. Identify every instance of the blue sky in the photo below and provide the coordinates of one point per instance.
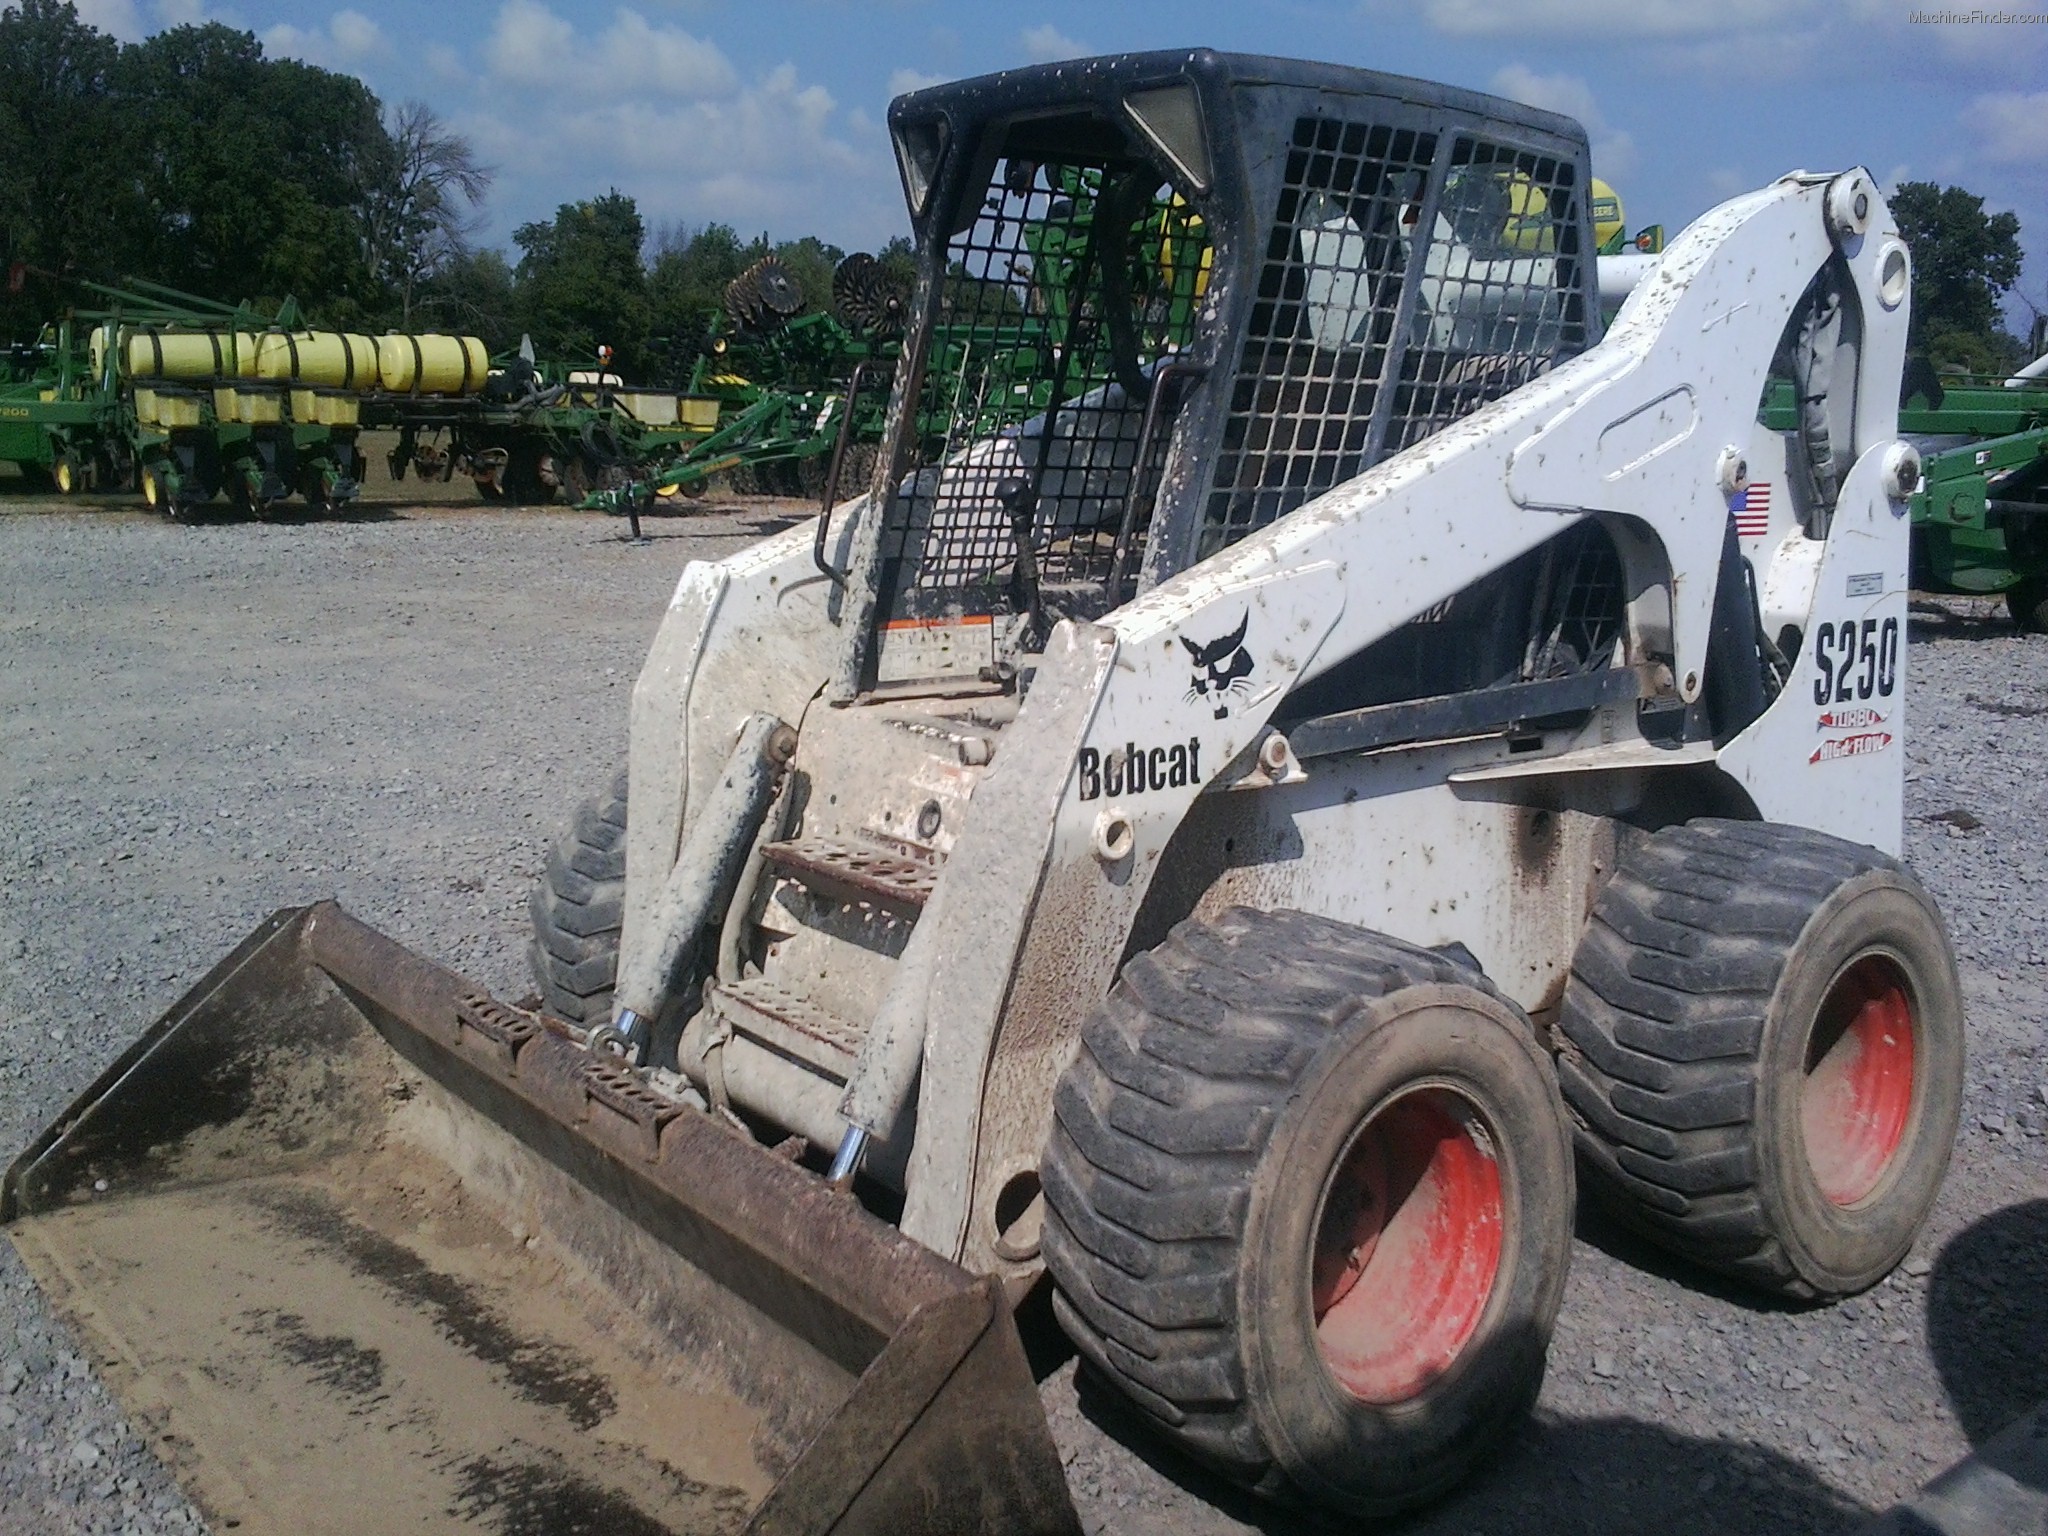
(768, 115)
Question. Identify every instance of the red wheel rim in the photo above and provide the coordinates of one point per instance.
(1858, 1091)
(1408, 1246)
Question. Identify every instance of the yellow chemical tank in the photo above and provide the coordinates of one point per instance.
(432, 365)
(330, 359)
(149, 353)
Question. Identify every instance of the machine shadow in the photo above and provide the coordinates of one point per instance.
(1608, 1476)
(1987, 1318)
(1604, 1476)
(1935, 619)
(1598, 1227)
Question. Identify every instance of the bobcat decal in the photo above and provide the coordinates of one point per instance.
(1222, 667)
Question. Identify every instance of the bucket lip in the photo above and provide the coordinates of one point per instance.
(751, 1209)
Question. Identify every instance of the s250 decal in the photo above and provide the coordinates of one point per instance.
(1855, 661)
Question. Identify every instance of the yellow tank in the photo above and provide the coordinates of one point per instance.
(330, 359)
(166, 410)
(432, 365)
(148, 353)
(1607, 213)
(651, 408)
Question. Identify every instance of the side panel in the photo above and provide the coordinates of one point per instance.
(755, 632)
(1830, 751)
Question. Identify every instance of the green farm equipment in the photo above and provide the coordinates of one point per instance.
(58, 419)
(1980, 517)
(530, 431)
(181, 398)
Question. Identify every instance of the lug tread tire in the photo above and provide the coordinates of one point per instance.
(577, 908)
(1159, 1127)
(1661, 1036)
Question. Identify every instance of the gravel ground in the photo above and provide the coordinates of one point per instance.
(397, 709)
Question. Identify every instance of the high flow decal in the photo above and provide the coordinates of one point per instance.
(1860, 745)
(1132, 769)
(1222, 667)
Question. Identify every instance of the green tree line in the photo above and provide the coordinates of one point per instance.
(190, 159)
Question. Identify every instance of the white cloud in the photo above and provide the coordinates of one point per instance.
(350, 38)
(528, 42)
(2011, 127)
(126, 20)
(531, 45)
(119, 17)
(1614, 151)
(1048, 45)
(1611, 20)
(566, 111)
(905, 80)
(1727, 182)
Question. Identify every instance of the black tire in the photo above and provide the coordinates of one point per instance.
(579, 478)
(524, 483)
(65, 474)
(2028, 604)
(1725, 983)
(577, 908)
(1231, 1080)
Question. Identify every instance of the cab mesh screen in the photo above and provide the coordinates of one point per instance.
(1355, 349)
(1061, 297)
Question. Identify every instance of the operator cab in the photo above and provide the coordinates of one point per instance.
(1165, 299)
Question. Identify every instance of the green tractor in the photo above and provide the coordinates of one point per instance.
(1980, 517)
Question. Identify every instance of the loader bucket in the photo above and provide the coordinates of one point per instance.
(364, 1250)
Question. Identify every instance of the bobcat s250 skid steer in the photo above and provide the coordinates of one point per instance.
(1303, 744)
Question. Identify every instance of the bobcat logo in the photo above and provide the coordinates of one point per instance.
(1222, 667)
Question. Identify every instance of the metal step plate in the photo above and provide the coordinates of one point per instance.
(855, 873)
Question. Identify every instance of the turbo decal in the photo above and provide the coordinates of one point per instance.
(1861, 718)
(1222, 667)
(1851, 746)
(1133, 770)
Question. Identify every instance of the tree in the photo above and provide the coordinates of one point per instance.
(254, 170)
(1964, 262)
(420, 214)
(581, 285)
(472, 294)
(686, 291)
(66, 208)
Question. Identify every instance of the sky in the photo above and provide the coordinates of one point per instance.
(768, 114)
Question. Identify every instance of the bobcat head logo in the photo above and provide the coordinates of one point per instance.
(1222, 667)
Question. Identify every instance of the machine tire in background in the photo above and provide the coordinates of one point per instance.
(66, 476)
(1762, 1046)
(525, 483)
(577, 908)
(2027, 602)
(1265, 1106)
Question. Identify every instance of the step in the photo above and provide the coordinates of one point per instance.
(782, 1020)
(856, 873)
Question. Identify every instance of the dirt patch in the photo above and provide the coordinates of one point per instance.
(363, 1350)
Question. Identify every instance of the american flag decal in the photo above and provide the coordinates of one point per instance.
(1753, 511)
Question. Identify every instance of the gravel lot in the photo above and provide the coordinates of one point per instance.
(397, 709)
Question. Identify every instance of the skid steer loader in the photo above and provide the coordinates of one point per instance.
(1302, 745)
